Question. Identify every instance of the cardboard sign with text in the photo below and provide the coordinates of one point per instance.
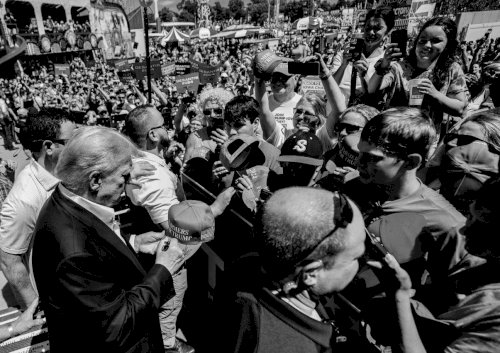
(182, 68)
(209, 74)
(126, 75)
(141, 70)
(312, 84)
(189, 82)
(61, 69)
(119, 64)
(195, 65)
(168, 69)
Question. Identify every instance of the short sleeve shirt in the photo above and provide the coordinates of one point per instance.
(345, 83)
(398, 81)
(157, 192)
(283, 112)
(20, 210)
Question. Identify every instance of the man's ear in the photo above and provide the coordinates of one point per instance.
(153, 136)
(47, 148)
(256, 123)
(95, 180)
(413, 161)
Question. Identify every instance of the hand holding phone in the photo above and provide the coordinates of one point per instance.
(305, 69)
(356, 48)
(400, 38)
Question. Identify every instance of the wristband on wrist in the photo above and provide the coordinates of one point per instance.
(326, 76)
(379, 70)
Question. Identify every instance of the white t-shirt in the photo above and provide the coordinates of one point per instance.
(345, 84)
(283, 112)
(277, 138)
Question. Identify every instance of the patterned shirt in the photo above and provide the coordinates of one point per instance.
(5, 186)
(398, 88)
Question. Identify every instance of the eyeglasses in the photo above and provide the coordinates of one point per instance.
(349, 128)
(303, 113)
(279, 78)
(343, 215)
(215, 111)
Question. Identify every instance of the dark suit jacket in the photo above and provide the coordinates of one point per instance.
(96, 295)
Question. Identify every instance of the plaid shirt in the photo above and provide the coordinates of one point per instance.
(5, 186)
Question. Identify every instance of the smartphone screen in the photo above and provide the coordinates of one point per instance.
(357, 46)
(306, 69)
(400, 37)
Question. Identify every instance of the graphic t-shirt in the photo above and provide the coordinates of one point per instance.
(283, 112)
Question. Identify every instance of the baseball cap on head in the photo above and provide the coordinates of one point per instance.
(266, 62)
(191, 222)
(302, 147)
(282, 68)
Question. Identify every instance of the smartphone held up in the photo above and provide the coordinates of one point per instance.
(305, 69)
(357, 44)
(400, 37)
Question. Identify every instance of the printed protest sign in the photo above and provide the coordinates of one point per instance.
(312, 84)
(195, 65)
(61, 69)
(121, 63)
(401, 10)
(189, 82)
(126, 75)
(209, 74)
(141, 70)
(168, 69)
(182, 68)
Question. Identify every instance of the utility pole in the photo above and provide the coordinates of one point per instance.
(145, 4)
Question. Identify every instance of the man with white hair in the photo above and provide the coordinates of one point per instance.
(95, 293)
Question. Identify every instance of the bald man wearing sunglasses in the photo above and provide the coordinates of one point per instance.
(309, 247)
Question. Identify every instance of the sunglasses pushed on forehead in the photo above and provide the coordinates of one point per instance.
(343, 215)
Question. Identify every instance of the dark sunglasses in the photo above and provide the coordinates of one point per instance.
(60, 141)
(216, 111)
(350, 129)
(304, 114)
(279, 78)
(343, 215)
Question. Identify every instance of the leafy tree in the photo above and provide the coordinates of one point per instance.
(236, 9)
(220, 13)
(258, 9)
(166, 15)
(328, 5)
(293, 10)
(187, 10)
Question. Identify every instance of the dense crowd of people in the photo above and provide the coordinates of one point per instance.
(371, 197)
